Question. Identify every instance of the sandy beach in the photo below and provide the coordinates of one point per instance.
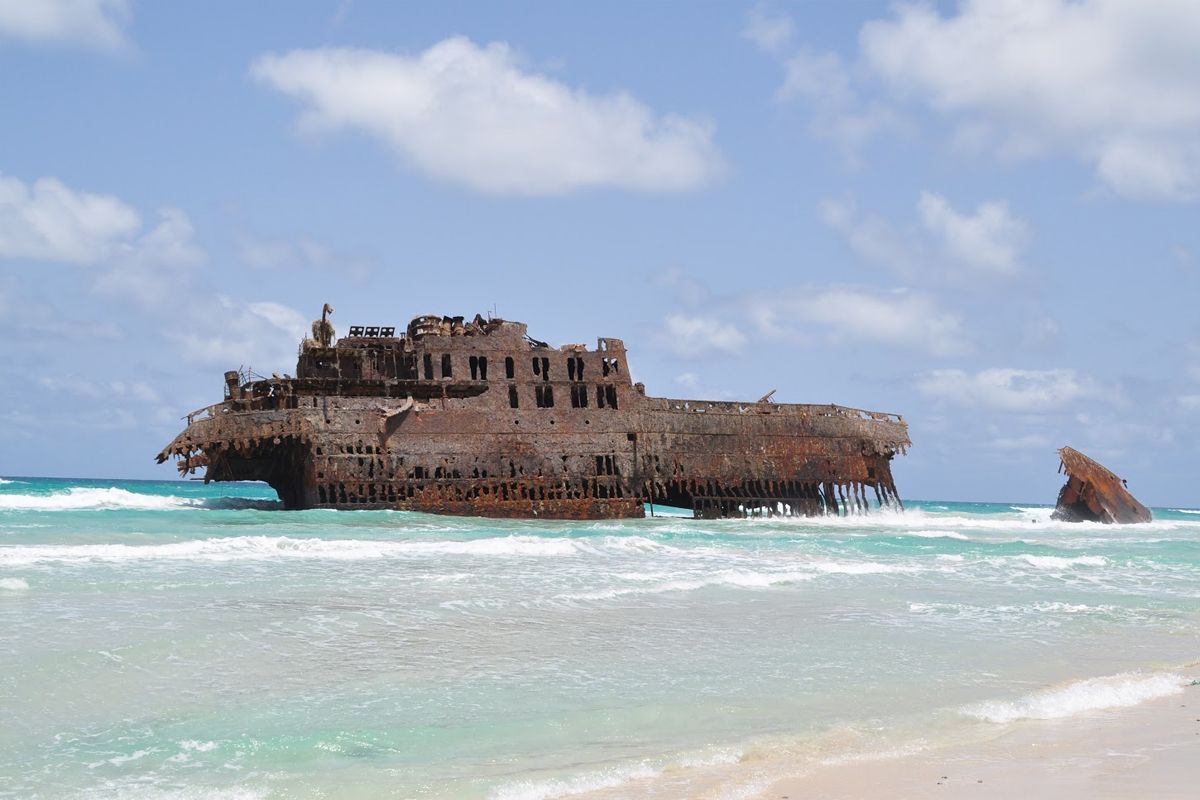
(1148, 751)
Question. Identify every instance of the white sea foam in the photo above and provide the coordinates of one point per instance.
(1059, 563)
(82, 498)
(252, 548)
(137, 789)
(1187, 510)
(198, 746)
(14, 585)
(859, 568)
(938, 535)
(744, 580)
(1079, 697)
(593, 781)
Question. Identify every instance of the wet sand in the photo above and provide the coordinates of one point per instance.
(1148, 751)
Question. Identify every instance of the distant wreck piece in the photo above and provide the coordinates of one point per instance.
(1094, 494)
(476, 417)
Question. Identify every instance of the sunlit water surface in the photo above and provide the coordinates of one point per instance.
(176, 640)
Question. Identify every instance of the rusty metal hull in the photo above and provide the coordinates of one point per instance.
(484, 421)
(1093, 493)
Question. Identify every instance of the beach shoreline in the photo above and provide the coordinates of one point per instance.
(1148, 750)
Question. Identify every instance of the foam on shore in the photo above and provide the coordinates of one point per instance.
(1081, 697)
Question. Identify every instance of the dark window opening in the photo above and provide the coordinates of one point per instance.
(610, 395)
(428, 367)
(446, 372)
(513, 401)
(474, 362)
(579, 396)
(483, 368)
(509, 368)
(541, 366)
(544, 396)
(599, 396)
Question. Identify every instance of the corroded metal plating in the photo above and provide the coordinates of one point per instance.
(1093, 493)
(478, 418)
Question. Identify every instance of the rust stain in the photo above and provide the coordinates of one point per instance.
(478, 418)
(1093, 493)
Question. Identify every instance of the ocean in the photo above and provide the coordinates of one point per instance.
(176, 640)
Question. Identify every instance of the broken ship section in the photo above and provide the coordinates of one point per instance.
(477, 418)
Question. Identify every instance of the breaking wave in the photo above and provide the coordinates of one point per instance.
(13, 585)
(1080, 697)
(253, 548)
(745, 580)
(1061, 563)
(80, 498)
(938, 535)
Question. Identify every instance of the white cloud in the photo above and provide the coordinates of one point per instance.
(897, 318)
(51, 222)
(824, 83)
(154, 270)
(948, 242)
(990, 240)
(768, 29)
(264, 335)
(1013, 390)
(1116, 83)
(691, 336)
(473, 115)
(47, 221)
(302, 252)
(97, 24)
(1188, 402)
(95, 390)
(1029, 441)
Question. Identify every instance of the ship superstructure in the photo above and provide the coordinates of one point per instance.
(478, 418)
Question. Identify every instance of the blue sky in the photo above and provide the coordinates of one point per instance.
(980, 215)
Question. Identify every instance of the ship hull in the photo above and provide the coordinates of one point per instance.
(552, 434)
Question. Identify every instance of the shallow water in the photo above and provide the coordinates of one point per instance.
(180, 640)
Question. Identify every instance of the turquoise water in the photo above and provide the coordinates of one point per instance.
(176, 640)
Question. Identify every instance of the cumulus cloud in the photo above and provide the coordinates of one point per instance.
(824, 83)
(152, 269)
(48, 221)
(989, 240)
(97, 24)
(301, 252)
(474, 115)
(1012, 390)
(690, 336)
(898, 318)
(260, 334)
(1116, 83)
(947, 242)
(768, 29)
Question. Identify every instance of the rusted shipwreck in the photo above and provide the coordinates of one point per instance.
(1093, 493)
(478, 418)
